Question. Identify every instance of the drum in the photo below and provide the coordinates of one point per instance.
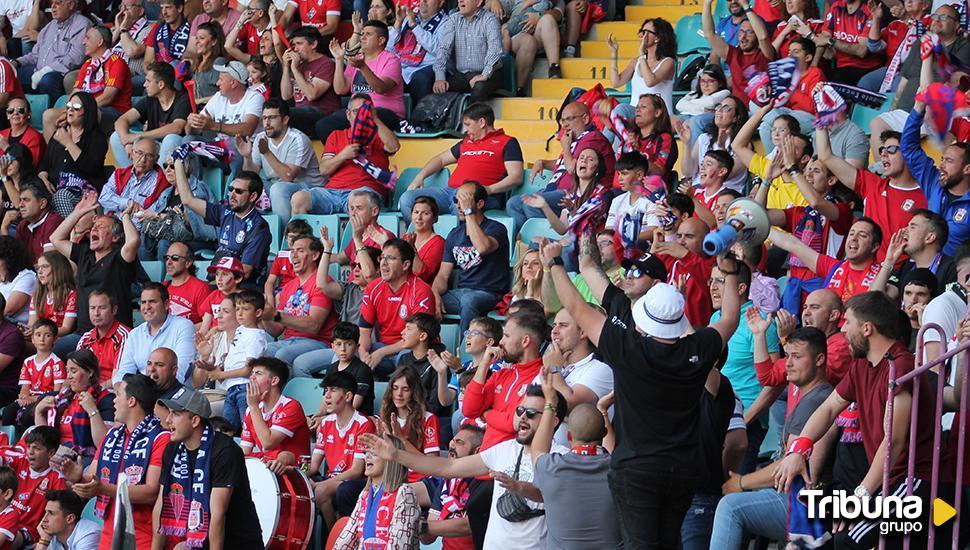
(284, 504)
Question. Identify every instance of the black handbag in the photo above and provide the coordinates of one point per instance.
(168, 225)
(512, 506)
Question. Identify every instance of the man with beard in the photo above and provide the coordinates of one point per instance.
(243, 232)
(688, 265)
(447, 517)
(728, 26)
(892, 199)
(106, 259)
(947, 186)
(161, 329)
(848, 277)
(753, 50)
(926, 234)
(871, 323)
(283, 157)
(496, 399)
(508, 462)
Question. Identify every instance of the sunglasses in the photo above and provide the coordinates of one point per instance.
(527, 412)
(75, 106)
(17, 110)
(354, 265)
(174, 258)
(634, 273)
(170, 166)
(238, 191)
(889, 149)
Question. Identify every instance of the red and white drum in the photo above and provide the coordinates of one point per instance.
(284, 504)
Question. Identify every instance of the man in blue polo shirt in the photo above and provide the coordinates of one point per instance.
(479, 247)
(947, 186)
(243, 233)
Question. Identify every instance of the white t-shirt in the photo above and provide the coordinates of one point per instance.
(221, 110)
(590, 372)
(246, 344)
(17, 12)
(643, 207)
(524, 535)
(945, 310)
(23, 282)
(294, 149)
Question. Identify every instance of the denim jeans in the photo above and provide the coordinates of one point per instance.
(289, 349)
(279, 198)
(695, 532)
(763, 513)
(332, 201)
(165, 148)
(873, 80)
(651, 505)
(52, 83)
(444, 196)
(805, 120)
(235, 406)
(469, 303)
(421, 84)
(312, 362)
(520, 211)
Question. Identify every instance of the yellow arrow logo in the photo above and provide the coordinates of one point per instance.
(942, 512)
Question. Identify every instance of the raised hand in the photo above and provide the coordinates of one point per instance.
(785, 323)
(756, 323)
(613, 45)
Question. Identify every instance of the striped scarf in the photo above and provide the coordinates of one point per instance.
(134, 452)
(407, 47)
(192, 521)
(362, 132)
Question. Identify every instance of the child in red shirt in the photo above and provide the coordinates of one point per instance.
(42, 373)
(229, 273)
(10, 521)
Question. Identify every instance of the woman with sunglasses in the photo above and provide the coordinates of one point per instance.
(729, 116)
(697, 107)
(654, 70)
(74, 160)
(429, 245)
(20, 131)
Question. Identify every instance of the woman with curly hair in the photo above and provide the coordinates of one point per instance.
(654, 70)
(16, 279)
(55, 296)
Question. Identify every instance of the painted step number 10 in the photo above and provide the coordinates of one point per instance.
(550, 113)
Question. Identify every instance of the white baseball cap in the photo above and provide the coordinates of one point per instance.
(660, 312)
(235, 69)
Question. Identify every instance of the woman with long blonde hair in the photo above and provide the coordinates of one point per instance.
(527, 276)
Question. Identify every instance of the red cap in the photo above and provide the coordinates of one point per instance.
(229, 263)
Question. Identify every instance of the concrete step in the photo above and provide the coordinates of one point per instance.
(622, 30)
(586, 67)
(599, 49)
(670, 13)
(528, 108)
(558, 88)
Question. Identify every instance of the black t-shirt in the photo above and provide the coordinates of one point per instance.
(228, 469)
(171, 390)
(365, 383)
(429, 380)
(715, 417)
(658, 389)
(153, 116)
(112, 274)
(89, 166)
(946, 273)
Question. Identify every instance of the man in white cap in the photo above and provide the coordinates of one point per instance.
(659, 374)
(233, 111)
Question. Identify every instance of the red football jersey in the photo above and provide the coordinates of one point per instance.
(339, 446)
(42, 377)
(31, 488)
(429, 441)
(384, 309)
(283, 268)
(314, 12)
(9, 525)
(285, 417)
(845, 281)
(57, 314)
(184, 299)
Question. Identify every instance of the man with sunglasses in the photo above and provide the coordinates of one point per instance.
(185, 290)
(142, 184)
(890, 199)
(509, 462)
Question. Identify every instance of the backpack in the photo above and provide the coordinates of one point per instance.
(438, 112)
(687, 74)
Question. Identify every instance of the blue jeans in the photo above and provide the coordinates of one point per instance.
(52, 84)
(312, 362)
(165, 148)
(279, 198)
(806, 122)
(332, 201)
(698, 123)
(235, 406)
(289, 349)
(469, 303)
(520, 211)
(421, 84)
(695, 532)
(444, 196)
(872, 81)
(763, 512)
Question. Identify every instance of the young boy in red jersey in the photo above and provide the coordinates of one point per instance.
(280, 432)
(229, 274)
(41, 373)
(10, 522)
(337, 441)
(31, 460)
(281, 272)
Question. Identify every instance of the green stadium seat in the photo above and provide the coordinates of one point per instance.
(529, 187)
(509, 224)
(212, 177)
(446, 222)
(450, 337)
(201, 268)
(508, 76)
(862, 115)
(390, 221)
(89, 514)
(274, 230)
(38, 104)
(154, 269)
(61, 102)
(537, 227)
(316, 221)
(307, 392)
(690, 37)
(11, 432)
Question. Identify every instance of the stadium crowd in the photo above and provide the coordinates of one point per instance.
(400, 345)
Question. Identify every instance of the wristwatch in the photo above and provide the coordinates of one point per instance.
(555, 261)
(793, 169)
(861, 492)
(468, 211)
(555, 370)
(831, 42)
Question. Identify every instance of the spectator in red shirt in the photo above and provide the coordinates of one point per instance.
(429, 246)
(9, 86)
(823, 310)
(185, 290)
(304, 316)
(801, 104)
(753, 50)
(274, 428)
(20, 130)
(495, 399)
(911, 20)
(339, 164)
(685, 261)
(168, 40)
(785, 32)
(281, 272)
(55, 296)
(107, 337)
(846, 31)
(37, 219)
(654, 135)
(105, 75)
(242, 41)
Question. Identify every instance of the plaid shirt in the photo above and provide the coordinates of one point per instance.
(475, 45)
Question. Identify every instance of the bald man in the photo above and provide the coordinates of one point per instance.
(578, 133)
(162, 367)
(576, 477)
(823, 310)
(688, 267)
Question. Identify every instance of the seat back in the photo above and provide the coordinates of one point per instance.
(307, 392)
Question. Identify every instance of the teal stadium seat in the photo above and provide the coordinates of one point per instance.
(863, 116)
(690, 37)
(154, 269)
(274, 230)
(38, 104)
(380, 388)
(537, 227)
(317, 221)
(307, 392)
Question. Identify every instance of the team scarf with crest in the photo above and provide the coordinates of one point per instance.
(135, 454)
(362, 132)
(188, 517)
(171, 46)
(93, 80)
(408, 48)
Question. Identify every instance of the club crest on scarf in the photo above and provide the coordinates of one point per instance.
(943, 105)
(363, 130)
(777, 84)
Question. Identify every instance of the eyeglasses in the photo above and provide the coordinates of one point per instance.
(724, 108)
(745, 31)
(473, 332)
(527, 412)
(708, 81)
(174, 258)
(941, 17)
(889, 149)
(354, 265)
(642, 32)
(271, 117)
(75, 106)
(141, 154)
(17, 110)
(389, 258)
(238, 191)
